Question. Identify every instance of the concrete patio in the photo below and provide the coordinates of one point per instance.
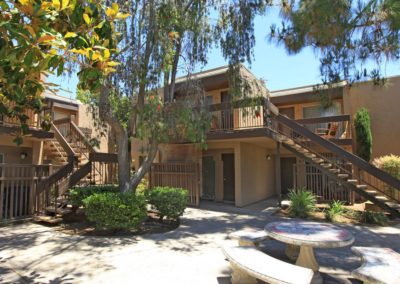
(31, 253)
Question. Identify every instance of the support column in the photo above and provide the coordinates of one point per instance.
(278, 187)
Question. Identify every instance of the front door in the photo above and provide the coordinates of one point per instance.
(287, 174)
(208, 178)
(228, 161)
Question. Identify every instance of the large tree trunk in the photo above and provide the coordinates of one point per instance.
(124, 162)
(145, 167)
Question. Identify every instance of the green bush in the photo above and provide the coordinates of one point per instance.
(168, 201)
(335, 210)
(302, 202)
(116, 210)
(78, 194)
(362, 125)
(378, 218)
(143, 186)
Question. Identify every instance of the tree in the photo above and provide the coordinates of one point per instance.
(41, 37)
(345, 34)
(162, 38)
(362, 126)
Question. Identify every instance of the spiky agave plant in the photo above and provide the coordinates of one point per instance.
(302, 202)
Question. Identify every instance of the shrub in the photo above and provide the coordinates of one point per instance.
(378, 218)
(143, 186)
(362, 125)
(389, 164)
(116, 210)
(78, 194)
(335, 210)
(302, 202)
(169, 202)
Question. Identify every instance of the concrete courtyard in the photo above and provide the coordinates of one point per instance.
(32, 253)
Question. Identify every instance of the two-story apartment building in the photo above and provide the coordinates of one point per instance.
(254, 153)
(48, 160)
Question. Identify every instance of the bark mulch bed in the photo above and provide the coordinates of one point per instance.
(77, 224)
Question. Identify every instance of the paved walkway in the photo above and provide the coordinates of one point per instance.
(31, 253)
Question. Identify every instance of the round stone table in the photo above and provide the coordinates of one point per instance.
(309, 235)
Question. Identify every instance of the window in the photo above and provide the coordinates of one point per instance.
(318, 111)
(209, 100)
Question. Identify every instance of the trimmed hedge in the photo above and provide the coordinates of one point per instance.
(168, 201)
(362, 125)
(116, 210)
(78, 194)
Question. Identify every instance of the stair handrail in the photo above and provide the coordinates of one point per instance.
(61, 173)
(355, 160)
(64, 143)
(83, 137)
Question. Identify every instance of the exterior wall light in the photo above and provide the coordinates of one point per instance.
(268, 157)
(23, 155)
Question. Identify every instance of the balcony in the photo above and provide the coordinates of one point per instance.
(249, 118)
(11, 125)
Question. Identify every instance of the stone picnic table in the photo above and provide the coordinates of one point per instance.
(309, 235)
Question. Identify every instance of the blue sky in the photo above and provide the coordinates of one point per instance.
(271, 63)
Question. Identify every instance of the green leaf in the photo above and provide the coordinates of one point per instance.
(29, 58)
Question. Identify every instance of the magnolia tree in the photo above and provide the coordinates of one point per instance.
(160, 39)
(38, 38)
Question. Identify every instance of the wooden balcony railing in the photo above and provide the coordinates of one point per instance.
(252, 114)
(34, 120)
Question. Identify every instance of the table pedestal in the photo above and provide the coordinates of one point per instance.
(292, 252)
(307, 259)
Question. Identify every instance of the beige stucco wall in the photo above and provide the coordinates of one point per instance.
(257, 174)
(383, 104)
(85, 119)
(12, 152)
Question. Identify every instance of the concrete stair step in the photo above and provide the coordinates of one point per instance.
(60, 211)
(48, 219)
(343, 175)
(353, 181)
(318, 160)
(361, 186)
(371, 192)
(326, 165)
(393, 205)
(335, 171)
(382, 198)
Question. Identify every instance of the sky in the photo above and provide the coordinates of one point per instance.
(271, 63)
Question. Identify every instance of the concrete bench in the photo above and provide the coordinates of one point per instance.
(249, 238)
(379, 265)
(249, 264)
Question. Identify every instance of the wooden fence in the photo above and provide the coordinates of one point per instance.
(327, 189)
(181, 175)
(18, 189)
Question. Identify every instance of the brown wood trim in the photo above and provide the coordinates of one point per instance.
(103, 157)
(238, 133)
(83, 137)
(330, 146)
(79, 174)
(35, 133)
(66, 106)
(334, 118)
(62, 120)
(61, 173)
(60, 138)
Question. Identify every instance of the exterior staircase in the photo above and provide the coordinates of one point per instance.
(76, 163)
(349, 170)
